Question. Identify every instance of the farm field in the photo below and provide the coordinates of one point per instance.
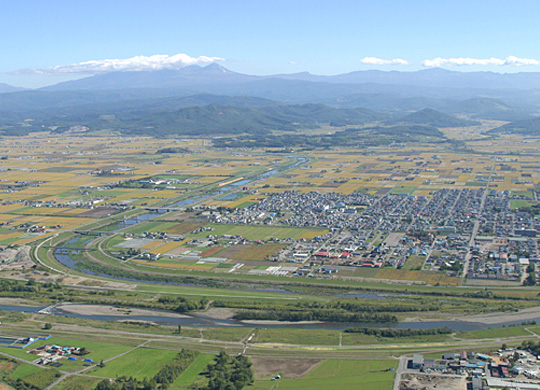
(260, 232)
(347, 374)
(140, 363)
(192, 372)
(229, 237)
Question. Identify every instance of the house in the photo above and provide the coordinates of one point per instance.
(450, 356)
(476, 384)
(417, 362)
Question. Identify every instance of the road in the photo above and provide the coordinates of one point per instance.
(474, 232)
(402, 366)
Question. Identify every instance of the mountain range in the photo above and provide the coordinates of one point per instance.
(433, 97)
(212, 74)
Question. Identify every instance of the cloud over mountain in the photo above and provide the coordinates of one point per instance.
(380, 61)
(137, 63)
(467, 61)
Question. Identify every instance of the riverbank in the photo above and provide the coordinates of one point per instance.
(17, 302)
(493, 319)
(104, 310)
(260, 323)
(223, 317)
(529, 314)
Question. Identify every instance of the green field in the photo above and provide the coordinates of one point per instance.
(414, 262)
(494, 333)
(37, 377)
(77, 382)
(403, 190)
(140, 363)
(522, 204)
(359, 339)
(342, 374)
(192, 372)
(226, 333)
(25, 370)
(150, 227)
(299, 336)
(257, 232)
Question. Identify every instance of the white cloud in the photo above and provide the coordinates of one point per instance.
(138, 63)
(380, 61)
(467, 61)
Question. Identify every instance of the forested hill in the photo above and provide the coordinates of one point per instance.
(216, 119)
(525, 127)
(435, 118)
(361, 138)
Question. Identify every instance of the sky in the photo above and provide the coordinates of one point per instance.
(46, 42)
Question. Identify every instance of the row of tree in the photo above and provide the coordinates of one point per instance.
(314, 315)
(350, 305)
(395, 333)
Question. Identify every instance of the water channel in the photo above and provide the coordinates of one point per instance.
(166, 318)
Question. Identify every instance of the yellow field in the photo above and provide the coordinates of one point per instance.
(163, 249)
(152, 245)
(68, 168)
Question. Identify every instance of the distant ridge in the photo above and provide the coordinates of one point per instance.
(215, 73)
(182, 78)
(6, 88)
(431, 117)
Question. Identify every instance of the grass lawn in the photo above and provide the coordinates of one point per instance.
(360, 339)
(367, 272)
(140, 363)
(77, 382)
(25, 370)
(38, 378)
(258, 232)
(494, 333)
(299, 336)
(414, 262)
(342, 374)
(404, 190)
(521, 203)
(192, 372)
(226, 334)
(150, 227)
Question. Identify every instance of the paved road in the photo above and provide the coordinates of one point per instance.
(402, 366)
(474, 232)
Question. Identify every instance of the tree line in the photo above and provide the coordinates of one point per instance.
(314, 315)
(395, 333)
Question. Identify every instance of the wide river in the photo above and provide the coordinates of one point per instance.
(200, 320)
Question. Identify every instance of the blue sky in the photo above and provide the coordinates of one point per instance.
(267, 37)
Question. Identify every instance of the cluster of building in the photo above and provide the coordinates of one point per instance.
(49, 354)
(360, 224)
(512, 368)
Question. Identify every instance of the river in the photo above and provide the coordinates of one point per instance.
(200, 320)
